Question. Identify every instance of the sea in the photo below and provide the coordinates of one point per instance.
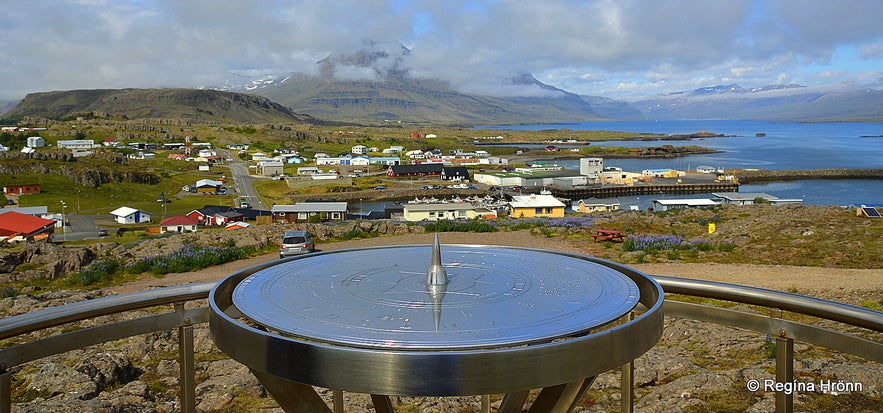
(753, 144)
(785, 145)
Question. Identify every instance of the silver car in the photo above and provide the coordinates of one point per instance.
(296, 242)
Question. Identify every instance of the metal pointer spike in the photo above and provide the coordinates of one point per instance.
(435, 274)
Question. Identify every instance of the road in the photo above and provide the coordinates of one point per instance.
(80, 227)
(243, 181)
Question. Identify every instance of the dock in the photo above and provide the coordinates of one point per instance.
(612, 191)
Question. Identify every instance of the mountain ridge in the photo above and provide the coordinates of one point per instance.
(188, 104)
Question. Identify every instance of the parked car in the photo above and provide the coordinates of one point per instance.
(379, 187)
(296, 242)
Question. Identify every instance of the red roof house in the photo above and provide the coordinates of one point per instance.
(180, 223)
(13, 224)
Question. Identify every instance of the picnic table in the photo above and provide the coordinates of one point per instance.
(600, 235)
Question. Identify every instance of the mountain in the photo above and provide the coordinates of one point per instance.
(775, 102)
(372, 85)
(613, 109)
(190, 104)
(7, 105)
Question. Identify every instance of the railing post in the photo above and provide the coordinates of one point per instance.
(627, 382)
(784, 371)
(338, 400)
(5, 390)
(187, 379)
(485, 403)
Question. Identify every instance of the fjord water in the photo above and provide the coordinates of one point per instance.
(786, 145)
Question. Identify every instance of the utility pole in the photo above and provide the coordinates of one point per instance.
(63, 222)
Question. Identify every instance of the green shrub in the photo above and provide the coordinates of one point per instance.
(8, 292)
(456, 226)
(101, 270)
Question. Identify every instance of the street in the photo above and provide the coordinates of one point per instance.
(243, 181)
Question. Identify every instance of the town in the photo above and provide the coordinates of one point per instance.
(422, 185)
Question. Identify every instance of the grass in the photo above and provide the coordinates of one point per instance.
(188, 258)
(735, 399)
(107, 197)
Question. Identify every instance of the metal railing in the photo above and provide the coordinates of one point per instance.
(183, 319)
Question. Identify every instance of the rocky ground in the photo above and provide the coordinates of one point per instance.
(696, 366)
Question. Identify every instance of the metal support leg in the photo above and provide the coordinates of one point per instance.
(562, 398)
(338, 400)
(187, 379)
(292, 396)
(784, 372)
(627, 388)
(513, 402)
(5, 392)
(627, 382)
(382, 404)
(486, 403)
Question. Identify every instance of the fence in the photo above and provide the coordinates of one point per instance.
(183, 319)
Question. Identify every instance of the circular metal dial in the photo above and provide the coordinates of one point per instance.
(379, 298)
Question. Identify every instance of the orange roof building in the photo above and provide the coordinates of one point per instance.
(13, 224)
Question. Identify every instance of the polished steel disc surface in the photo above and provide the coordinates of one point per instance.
(379, 297)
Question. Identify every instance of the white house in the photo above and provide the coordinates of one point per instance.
(360, 161)
(359, 150)
(327, 161)
(394, 149)
(181, 223)
(307, 170)
(670, 204)
(271, 167)
(748, 198)
(596, 205)
(126, 215)
(591, 167)
(207, 153)
(259, 156)
(76, 144)
(35, 141)
(415, 154)
(435, 212)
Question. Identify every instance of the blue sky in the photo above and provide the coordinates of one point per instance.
(615, 48)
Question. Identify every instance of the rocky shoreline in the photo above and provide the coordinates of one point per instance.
(750, 176)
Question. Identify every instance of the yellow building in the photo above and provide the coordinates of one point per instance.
(528, 206)
(451, 211)
(597, 205)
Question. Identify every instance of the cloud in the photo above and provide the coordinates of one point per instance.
(591, 47)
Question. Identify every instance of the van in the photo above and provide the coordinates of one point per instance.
(296, 242)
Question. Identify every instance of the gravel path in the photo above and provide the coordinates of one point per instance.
(847, 285)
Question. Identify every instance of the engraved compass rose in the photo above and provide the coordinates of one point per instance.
(384, 297)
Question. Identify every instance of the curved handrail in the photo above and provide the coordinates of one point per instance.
(68, 313)
(801, 304)
(811, 306)
(829, 310)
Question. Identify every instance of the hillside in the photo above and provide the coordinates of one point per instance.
(421, 100)
(384, 90)
(188, 104)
